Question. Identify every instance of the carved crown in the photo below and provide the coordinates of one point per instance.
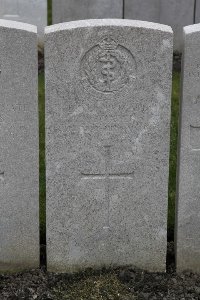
(108, 44)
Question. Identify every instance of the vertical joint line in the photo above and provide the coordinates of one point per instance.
(195, 6)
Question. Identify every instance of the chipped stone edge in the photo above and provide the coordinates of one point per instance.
(107, 22)
(18, 25)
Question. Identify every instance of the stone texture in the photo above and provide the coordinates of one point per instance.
(197, 12)
(177, 14)
(145, 10)
(188, 205)
(70, 10)
(107, 143)
(27, 11)
(19, 228)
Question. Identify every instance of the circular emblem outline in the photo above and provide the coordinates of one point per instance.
(107, 67)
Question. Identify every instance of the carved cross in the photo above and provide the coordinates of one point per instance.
(107, 176)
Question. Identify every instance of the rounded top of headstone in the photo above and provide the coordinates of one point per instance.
(18, 25)
(107, 22)
(191, 29)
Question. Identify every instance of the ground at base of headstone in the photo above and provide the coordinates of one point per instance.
(113, 284)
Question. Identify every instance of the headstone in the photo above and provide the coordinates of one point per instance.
(19, 220)
(107, 143)
(188, 204)
(177, 14)
(145, 10)
(71, 10)
(197, 12)
(27, 11)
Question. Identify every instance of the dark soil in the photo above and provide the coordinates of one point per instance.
(117, 284)
(177, 61)
(41, 61)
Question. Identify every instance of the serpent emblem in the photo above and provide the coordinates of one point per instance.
(107, 67)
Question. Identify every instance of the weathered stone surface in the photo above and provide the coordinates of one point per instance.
(177, 14)
(70, 10)
(27, 11)
(107, 143)
(19, 228)
(197, 12)
(145, 10)
(188, 204)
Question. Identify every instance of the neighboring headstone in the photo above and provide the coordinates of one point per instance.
(188, 204)
(108, 87)
(145, 10)
(71, 10)
(19, 208)
(27, 11)
(177, 14)
(197, 12)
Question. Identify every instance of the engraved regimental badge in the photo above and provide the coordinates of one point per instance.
(107, 67)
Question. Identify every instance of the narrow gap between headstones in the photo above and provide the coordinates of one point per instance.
(41, 97)
(42, 177)
(173, 160)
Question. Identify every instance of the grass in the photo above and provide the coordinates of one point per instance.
(49, 12)
(106, 286)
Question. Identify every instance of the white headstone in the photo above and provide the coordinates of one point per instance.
(188, 204)
(177, 14)
(71, 10)
(19, 211)
(26, 11)
(108, 87)
(145, 10)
